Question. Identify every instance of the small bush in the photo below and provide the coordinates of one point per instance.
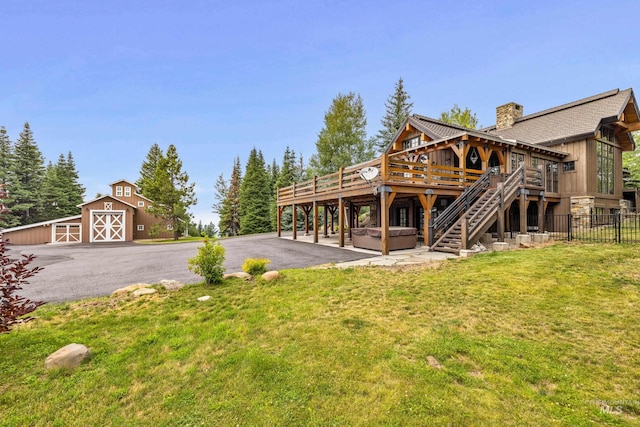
(209, 262)
(13, 274)
(255, 266)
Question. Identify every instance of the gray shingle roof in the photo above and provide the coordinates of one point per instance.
(568, 121)
(436, 129)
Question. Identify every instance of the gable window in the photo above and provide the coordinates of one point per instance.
(140, 227)
(604, 167)
(127, 191)
(411, 143)
(607, 134)
(569, 166)
(140, 204)
(119, 190)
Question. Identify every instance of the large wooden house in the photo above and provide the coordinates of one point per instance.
(454, 184)
(118, 217)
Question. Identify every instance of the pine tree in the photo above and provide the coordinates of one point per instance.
(171, 192)
(25, 198)
(287, 176)
(148, 168)
(228, 196)
(74, 190)
(343, 140)
(398, 108)
(6, 171)
(53, 193)
(254, 196)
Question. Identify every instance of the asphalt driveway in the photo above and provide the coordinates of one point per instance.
(79, 271)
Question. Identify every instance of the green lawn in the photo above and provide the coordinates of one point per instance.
(529, 337)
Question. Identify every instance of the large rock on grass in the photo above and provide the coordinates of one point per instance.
(271, 275)
(130, 288)
(171, 285)
(69, 356)
(240, 275)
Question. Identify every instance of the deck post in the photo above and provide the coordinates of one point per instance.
(326, 221)
(294, 225)
(523, 211)
(279, 214)
(541, 224)
(307, 210)
(315, 221)
(340, 221)
(384, 239)
(351, 219)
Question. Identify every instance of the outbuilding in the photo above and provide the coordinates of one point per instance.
(118, 217)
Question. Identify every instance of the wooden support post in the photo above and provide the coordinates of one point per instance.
(315, 222)
(523, 211)
(294, 225)
(384, 239)
(332, 211)
(501, 213)
(384, 160)
(326, 221)
(340, 222)
(412, 214)
(541, 227)
(427, 201)
(307, 223)
(351, 218)
(279, 214)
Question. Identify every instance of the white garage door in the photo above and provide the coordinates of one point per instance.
(67, 233)
(107, 226)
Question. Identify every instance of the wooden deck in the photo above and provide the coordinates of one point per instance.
(413, 177)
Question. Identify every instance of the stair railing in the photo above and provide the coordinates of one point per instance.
(452, 213)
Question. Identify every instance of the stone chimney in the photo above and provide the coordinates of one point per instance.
(507, 114)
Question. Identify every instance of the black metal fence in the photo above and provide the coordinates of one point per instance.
(595, 228)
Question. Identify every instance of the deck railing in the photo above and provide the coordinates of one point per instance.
(393, 169)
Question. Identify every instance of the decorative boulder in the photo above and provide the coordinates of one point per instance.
(130, 288)
(204, 298)
(240, 275)
(69, 356)
(171, 285)
(271, 275)
(433, 362)
(143, 291)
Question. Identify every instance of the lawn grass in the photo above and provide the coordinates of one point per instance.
(545, 336)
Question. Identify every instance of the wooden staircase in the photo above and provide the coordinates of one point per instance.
(484, 212)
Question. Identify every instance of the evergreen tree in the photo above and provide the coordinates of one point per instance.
(254, 196)
(458, 116)
(74, 190)
(27, 169)
(53, 192)
(228, 196)
(343, 140)
(398, 108)
(6, 161)
(148, 168)
(171, 192)
(287, 176)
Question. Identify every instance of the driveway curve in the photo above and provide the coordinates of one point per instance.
(80, 271)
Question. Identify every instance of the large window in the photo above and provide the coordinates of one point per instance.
(551, 172)
(604, 154)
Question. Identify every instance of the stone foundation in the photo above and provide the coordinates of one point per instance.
(581, 208)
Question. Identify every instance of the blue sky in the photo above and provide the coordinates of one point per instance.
(107, 79)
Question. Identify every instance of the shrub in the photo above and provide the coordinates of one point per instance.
(209, 262)
(255, 266)
(13, 275)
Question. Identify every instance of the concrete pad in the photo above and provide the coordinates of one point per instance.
(466, 253)
(523, 239)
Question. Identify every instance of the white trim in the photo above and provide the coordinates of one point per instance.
(140, 227)
(68, 237)
(127, 191)
(140, 203)
(118, 191)
(41, 224)
(108, 226)
(109, 196)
